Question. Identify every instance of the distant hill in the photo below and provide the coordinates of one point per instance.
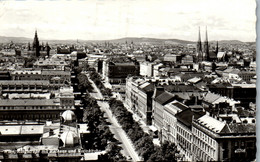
(4, 39)
(231, 42)
(228, 42)
(150, 40)
(14, 39)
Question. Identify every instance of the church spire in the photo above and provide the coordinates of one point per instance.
(206, 46)
(206, 39)
(199, 48)
(199, 40)
(36, 44)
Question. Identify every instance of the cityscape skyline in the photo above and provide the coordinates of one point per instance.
(128, 99)
(94, 20)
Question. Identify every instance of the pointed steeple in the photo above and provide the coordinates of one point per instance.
(36, 44)
(199, 48)
(35, 40)
(206, 47)
(199, 40)
(206, 39)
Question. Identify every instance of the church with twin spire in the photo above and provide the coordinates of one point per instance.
(203, 53)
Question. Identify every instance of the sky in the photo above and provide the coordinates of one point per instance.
(112, 19)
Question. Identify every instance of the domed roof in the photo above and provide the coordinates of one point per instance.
(68, 115)
(69, 138)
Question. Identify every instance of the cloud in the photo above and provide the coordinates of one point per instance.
(109, 19)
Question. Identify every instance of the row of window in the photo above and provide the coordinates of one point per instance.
(29, 116)
(204, 137)
(24, 87)
(186, 145)
(203, 146)
(184, 133)
(28, 107)
(201, 155)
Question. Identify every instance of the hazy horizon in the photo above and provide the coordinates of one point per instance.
(75, 39)
(115, 19)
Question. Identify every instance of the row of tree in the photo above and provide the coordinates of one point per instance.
(81, 80)
(100, 136)
(143, 142)
(97, 80)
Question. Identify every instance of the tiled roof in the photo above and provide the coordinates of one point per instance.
(211, 123)
(242, 128)
(158, 91)
(164, 98)
(124, 63)
(147, 87)
(180, 105)
(28, 102)
(24, 82)
(211, 97)
(21, 129)
(216, 98)
(186, 116)
(181, 88)
(55, 72)
(187, 76)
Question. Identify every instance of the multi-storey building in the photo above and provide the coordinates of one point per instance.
(169, 131)
(116, 70)
(217, 140)
(31, 109)
(184, 132)
(245, 93)
(37, 108)
(25, 86)
(50, 141)
(51, 64)
(56, 77)
(146, 69)
(139, 97)
(158, 108)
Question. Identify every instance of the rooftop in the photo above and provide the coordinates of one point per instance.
(164, 98)
(181, 88)
(24, 82)
(187, 115)
(147, 87)
(242, 128)
(211, 123)
(55, 72)
(29, 102)
(21, 129)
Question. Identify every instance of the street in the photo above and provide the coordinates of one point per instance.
(115, 127)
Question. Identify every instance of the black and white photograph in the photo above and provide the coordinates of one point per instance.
(128, 80)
